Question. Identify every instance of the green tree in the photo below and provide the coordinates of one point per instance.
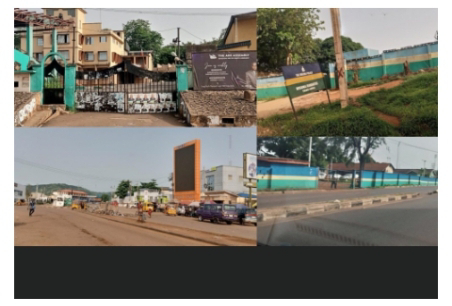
(151, 185)
(325, 48)
(323, 151)
(105, 197)
(139, 36)
(285, 36)
(123, 189)
(360, 148)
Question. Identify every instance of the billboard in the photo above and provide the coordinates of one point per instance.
(249, 166)
(303, 79)
(187, 171)
(225, 70)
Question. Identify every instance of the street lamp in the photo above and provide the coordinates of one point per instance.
(177, 58)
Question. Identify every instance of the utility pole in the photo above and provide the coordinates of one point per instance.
(310, 149)
(335, 18)
(423, 170)
(178, 42)
(398, 146)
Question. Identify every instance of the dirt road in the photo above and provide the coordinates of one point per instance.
(236, 230)
(282, 105)
(87, 119)
(62, 227)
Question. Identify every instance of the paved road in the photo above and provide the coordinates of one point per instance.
(63, 227)
(243, 231)
(87, 119)
(407, 223)
(275, 200)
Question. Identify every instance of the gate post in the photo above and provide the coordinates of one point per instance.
(69, 87)
(37, 81)
(182, 80)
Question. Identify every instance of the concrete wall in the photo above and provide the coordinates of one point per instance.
(379, 179)
(271, 87)
(390, 62)
(277, 176)
(23, 82)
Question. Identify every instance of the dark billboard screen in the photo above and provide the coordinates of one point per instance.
(225, 70)
(185, 168)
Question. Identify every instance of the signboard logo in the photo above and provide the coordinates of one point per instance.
(212, 56)
(302, 69)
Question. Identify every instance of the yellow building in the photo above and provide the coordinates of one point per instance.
(93, 47)
(241, 33)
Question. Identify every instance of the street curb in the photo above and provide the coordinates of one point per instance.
(298, 191)
(211, 241)
(314, 208)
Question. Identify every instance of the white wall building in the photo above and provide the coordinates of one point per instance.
(19, 192)
(223, 178)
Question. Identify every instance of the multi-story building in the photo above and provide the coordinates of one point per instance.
(86, 45)
(223, 178)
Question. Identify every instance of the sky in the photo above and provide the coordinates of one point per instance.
(112, 154)
(194, 27)
(384, 28)
(409, 157)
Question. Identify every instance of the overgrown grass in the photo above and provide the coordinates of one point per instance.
(415, 103)
(328, 120)
(374, 82)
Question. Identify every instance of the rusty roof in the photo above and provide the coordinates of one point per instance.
(24, 18)
(355, 166)
(280, 160)
(218, 103)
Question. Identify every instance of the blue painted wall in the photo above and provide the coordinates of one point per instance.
(278, 176)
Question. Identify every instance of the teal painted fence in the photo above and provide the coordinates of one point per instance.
(276, 176)
(372, 179)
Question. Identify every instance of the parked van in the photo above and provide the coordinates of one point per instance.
(218, 213)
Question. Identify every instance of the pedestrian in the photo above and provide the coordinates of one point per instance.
(140, 211)
(333, 183)
(32, 207)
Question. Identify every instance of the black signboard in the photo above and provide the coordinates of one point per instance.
(185, 169)
(225, 70)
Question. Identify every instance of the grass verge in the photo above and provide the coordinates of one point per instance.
(328, 120)
(415, 103)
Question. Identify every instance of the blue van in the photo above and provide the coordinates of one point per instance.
(218, 213)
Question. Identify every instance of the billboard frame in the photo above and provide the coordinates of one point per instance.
(191, 195)
(245, 166)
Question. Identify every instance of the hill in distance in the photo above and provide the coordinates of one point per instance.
(48, 189)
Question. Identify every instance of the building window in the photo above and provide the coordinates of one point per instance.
(60, 16)
(103, 39)
(89, 56)
(40, 41)
(50, 12)
(230, 177)
(102, 55)
(63, 38)
(16, 84)
(65, 54)
(89, 40)
(38, 56)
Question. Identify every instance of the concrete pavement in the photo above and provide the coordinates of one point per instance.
(309, 196)
(412, 222)
(63, 227)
